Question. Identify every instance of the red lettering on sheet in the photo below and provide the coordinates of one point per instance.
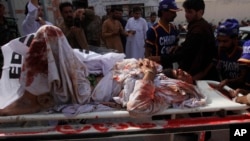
(2, 135)
(105, 127)
(121, 126)
(100, 127)
(67, 129)
(142, 125)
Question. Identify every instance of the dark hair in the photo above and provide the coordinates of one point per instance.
(194, 4)
(120, 9)
(169, 73)
(152, 14)
(137, 9)
(65, 4)
(116, 8)
(113, 9)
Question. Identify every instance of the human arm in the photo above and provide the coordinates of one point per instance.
(150, 45)
(122, 30)
(31, 20)
(145, 28)
(80, 37)
(238, 81)
(203, 73)
(109, 29)
(105, 30)
(143, 101)
(89, 13)
(148, 67)
(243, 99)
(187, 52)
(38, 9)
(235, 93)
(148, 51)
(28, 25)
(82, 13)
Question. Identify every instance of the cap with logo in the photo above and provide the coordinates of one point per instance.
(228, 28)
(169, 5)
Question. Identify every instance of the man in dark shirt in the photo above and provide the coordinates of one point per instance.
(163, 37)
(72, 25)
(231, 72)
(8, 30)
(199, 48)
(123, 22)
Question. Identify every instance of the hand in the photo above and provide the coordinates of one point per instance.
(35, 2)
(79, 13)
(221, 85)
(234, 93)
(147, 66)
(242, 100)
(131, 32)
(41, 21)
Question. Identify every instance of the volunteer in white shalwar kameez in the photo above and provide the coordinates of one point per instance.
(137, 28)
(34, 18)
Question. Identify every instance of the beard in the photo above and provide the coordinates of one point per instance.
(69, 19)
(228, 49)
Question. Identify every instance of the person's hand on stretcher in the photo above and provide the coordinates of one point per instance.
(241, 96)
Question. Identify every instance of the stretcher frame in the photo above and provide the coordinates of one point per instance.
(127, 126)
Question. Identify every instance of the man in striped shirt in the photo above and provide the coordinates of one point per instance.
(162, 37)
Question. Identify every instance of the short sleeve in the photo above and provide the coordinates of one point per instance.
(150, 38)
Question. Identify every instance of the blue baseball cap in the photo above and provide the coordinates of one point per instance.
(245, 57)
(228, 28)
(169, 5)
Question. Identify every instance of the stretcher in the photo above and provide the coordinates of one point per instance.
(118, 123)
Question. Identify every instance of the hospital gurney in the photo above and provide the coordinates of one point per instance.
(119, 123)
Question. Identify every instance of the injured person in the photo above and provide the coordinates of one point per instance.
(42, 72)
